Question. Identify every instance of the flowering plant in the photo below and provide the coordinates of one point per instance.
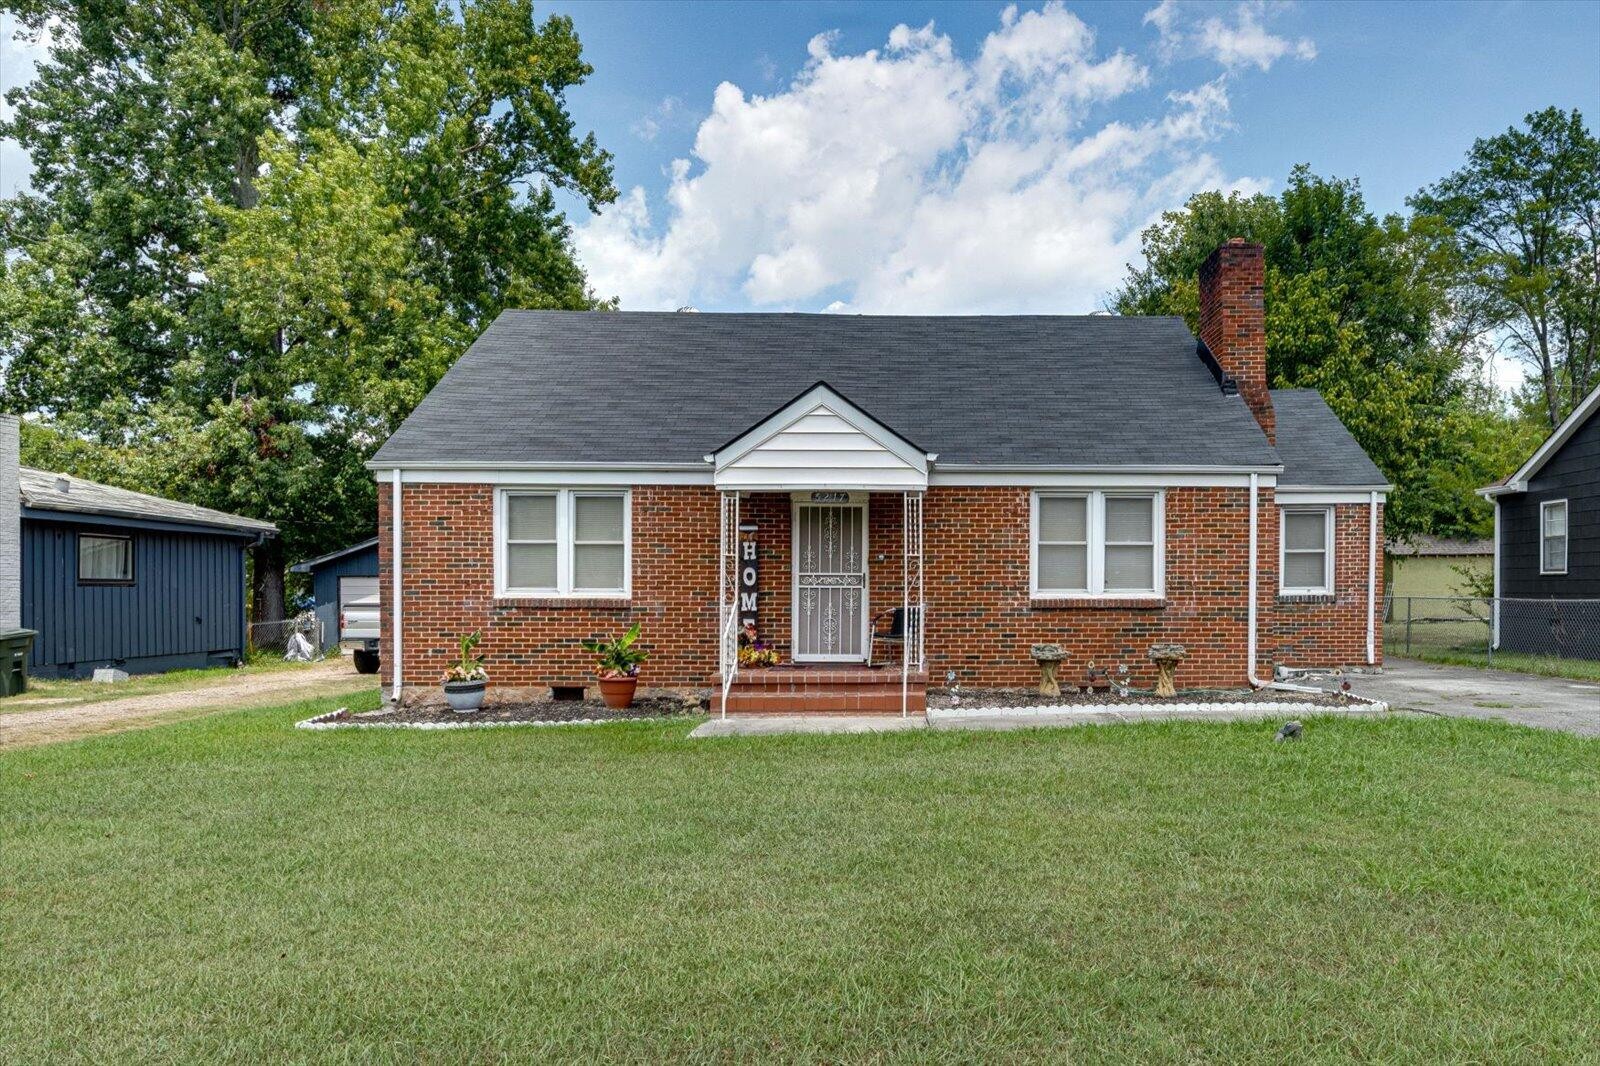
(619, 657)
(757, 654)
(468, 667)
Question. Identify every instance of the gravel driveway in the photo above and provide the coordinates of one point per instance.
(53, 722)
(1465, 692)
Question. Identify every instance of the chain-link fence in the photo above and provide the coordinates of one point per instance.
(274, 639)
(1427, 626)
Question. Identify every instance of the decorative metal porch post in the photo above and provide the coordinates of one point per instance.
(728, 595)
(912, 604)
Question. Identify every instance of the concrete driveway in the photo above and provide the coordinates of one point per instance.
(1464, 692)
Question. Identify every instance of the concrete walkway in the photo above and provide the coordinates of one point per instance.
(1466, 692)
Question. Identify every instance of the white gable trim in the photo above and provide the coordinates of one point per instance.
(1518, 482)
(820, 440)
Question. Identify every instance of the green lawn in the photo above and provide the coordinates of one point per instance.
(1520, 662)
(230, 888)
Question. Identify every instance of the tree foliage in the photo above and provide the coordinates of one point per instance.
(1360, 309)
(258, 234)
(1524, 216)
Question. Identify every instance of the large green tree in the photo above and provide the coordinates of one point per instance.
(257, 234)
(1359, 308)
(1524, 216)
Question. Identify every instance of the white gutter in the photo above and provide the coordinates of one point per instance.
(1372, 579)
(394, 564)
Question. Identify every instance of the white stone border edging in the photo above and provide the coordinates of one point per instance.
(1135, 710)
(331, 720)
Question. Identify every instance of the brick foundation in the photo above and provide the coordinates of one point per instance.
(981, 619)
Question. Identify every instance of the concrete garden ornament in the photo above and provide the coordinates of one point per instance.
(466, 680)
(1167, 657)
(1049, 657)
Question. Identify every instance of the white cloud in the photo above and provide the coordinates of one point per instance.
(668, 113)
(912, 179)
(1243, 41)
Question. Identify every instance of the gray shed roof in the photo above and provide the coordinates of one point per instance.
(44, 491)
(1315, 447)
(309, 565)
(665, 387)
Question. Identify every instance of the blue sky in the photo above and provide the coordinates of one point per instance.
(975, 157)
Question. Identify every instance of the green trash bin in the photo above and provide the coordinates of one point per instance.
(15, 644)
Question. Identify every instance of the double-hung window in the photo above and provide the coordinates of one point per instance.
(1553, 537)
(1097, 544)
(1306, 563)
(563, 542)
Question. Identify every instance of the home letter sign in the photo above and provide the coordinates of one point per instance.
(747, 582)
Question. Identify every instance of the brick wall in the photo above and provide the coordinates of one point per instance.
(981, 619)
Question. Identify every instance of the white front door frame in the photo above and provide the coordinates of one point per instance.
(795, 507)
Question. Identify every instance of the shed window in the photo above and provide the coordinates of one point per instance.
(1553, 537)
(1096, 544)
(105, 560)
(559, 542)
(1307, 564)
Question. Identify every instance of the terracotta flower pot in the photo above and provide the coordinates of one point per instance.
(618, 691)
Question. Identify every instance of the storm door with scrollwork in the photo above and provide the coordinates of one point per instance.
(830, 583)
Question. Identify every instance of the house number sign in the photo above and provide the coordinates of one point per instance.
(830, 497)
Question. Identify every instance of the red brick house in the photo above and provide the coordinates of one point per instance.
(975, 485)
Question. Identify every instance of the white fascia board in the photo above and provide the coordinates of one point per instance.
(699, 474)
(1331, 494)
(1494, 492)
(1552, 444)
(557, 476)
(821, 395)
(1041, 477)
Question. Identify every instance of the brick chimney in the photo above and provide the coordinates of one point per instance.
(10, 526)
(1233, 323)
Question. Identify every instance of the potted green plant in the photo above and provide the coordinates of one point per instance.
(618, 666)
(466, 680)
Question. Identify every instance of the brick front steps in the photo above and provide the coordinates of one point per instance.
(821, 690)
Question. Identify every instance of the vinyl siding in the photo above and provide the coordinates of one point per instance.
(1572, 474)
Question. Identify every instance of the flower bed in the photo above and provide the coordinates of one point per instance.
(434, 715)
(1028, 700)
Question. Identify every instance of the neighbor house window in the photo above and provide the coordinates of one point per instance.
(1553, 537)
(1306, 566)
(105, 560)
(561, 542)
(1097, 544)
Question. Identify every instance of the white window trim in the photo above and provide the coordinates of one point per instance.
(564, 542)
(1095, 517)
(1566, 538)
(1326, 589)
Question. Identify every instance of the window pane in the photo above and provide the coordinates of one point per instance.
(1063, 518)
(531, 566)
(1555, 521)
(105, 559)
(597, 518)
(531, 517)
(1555, 554)
(1129, 520)
(1305, 529)
(1130, 569)
(1063, 567)
(597, 567)
(1304, 570)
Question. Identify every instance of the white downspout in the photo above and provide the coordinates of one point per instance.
(394, 564)
(1494, 606)
(1372, 578)
(1250, 625)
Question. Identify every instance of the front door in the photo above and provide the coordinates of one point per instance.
(830, 583)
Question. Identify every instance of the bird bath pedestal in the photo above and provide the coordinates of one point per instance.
(1166, 657)
(1049, 657)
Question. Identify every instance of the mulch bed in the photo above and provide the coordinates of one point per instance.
(943, 699)
(590, 710)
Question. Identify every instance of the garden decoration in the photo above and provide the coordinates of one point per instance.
(1167, 657)
(1049, 657)
(466, 680)
(618, 666)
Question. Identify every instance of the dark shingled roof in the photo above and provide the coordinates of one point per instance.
(1315, 447)
(46, 491)
(649, 387)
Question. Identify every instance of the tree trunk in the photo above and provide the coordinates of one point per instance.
(266, 584)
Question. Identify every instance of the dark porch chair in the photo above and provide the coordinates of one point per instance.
(895, 634)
